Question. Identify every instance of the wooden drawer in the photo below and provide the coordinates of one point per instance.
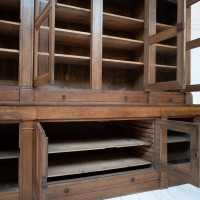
(105, 186)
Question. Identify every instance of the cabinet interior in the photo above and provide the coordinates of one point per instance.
(9, 156)
(85, 149)
(9, 42)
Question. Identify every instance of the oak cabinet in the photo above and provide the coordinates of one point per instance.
(94, 98)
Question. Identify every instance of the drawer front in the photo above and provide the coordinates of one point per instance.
(100, 183)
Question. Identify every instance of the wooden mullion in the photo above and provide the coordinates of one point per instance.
(96, 44)
(149, 51)
(181, 44)
(188, 54)
(191, 2)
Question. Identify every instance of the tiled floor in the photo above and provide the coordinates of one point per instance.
(182, 192)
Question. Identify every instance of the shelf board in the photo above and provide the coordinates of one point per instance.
(64, 36)
(9, 53)
(166, 49)
(161, 27)
(9, 154)
(72, 59)
(69, 59)
(121, 43)
(9, 28)
(166, 66)
(118, 22)
(177, 138)
(8, 185)
(93, 144)
(72, 14)
(121, 63)
(95, 163)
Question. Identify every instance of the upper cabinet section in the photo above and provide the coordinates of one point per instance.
(9, 42)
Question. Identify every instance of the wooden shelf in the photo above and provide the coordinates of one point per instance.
(162, 27)
(166, 66)
(166, 49)
(9, 28)
(177, 138)
(72, 14)
(71, 59)
(121, 64)
(93, 144)
(121, 43)
(8, 185)
(8, 154)
(117, 22)
(64, 36)
(9, 53)
(86, 164)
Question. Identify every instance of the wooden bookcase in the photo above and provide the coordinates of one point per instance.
(95, 98)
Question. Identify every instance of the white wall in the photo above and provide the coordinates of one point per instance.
(195, 53)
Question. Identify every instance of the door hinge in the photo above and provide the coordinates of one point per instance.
(180, 27)
(195, 153)
(44, 183)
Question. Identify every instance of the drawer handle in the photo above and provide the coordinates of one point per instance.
(66, 190)
(132, 179)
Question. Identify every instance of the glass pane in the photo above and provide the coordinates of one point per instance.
(166, 60)
(43, 48)
(194, 65)
(195, 21)
(41, 4)
(196, 97)
(178, 150)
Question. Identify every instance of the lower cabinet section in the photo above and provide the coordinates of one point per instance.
(9, 156)
(96, 159)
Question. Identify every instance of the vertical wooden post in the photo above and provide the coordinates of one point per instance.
(96, 44)
(149, 51)
(26, 160)
(26, 51)
(181, 42)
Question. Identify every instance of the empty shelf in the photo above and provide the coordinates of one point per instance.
(121, 43)
(9, 28)
(9, 154)
(162, 27)
(121, 63)
(86, 164)
(166, 49)
(166, 66)
(177, 138)
(9, 185)
(93, 144)
(9, 53)
(72, 14)
(71, 59)
(118, 22)
(72, 37)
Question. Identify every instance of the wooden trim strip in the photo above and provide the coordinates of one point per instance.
(166, 34)
(191, 2)
(193, 44)
(192, 88)
(170, 85)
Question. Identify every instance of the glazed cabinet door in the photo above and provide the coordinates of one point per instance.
(192, 72)
(41, 160)
(164, 45)
(44, 42)
(177, 149)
